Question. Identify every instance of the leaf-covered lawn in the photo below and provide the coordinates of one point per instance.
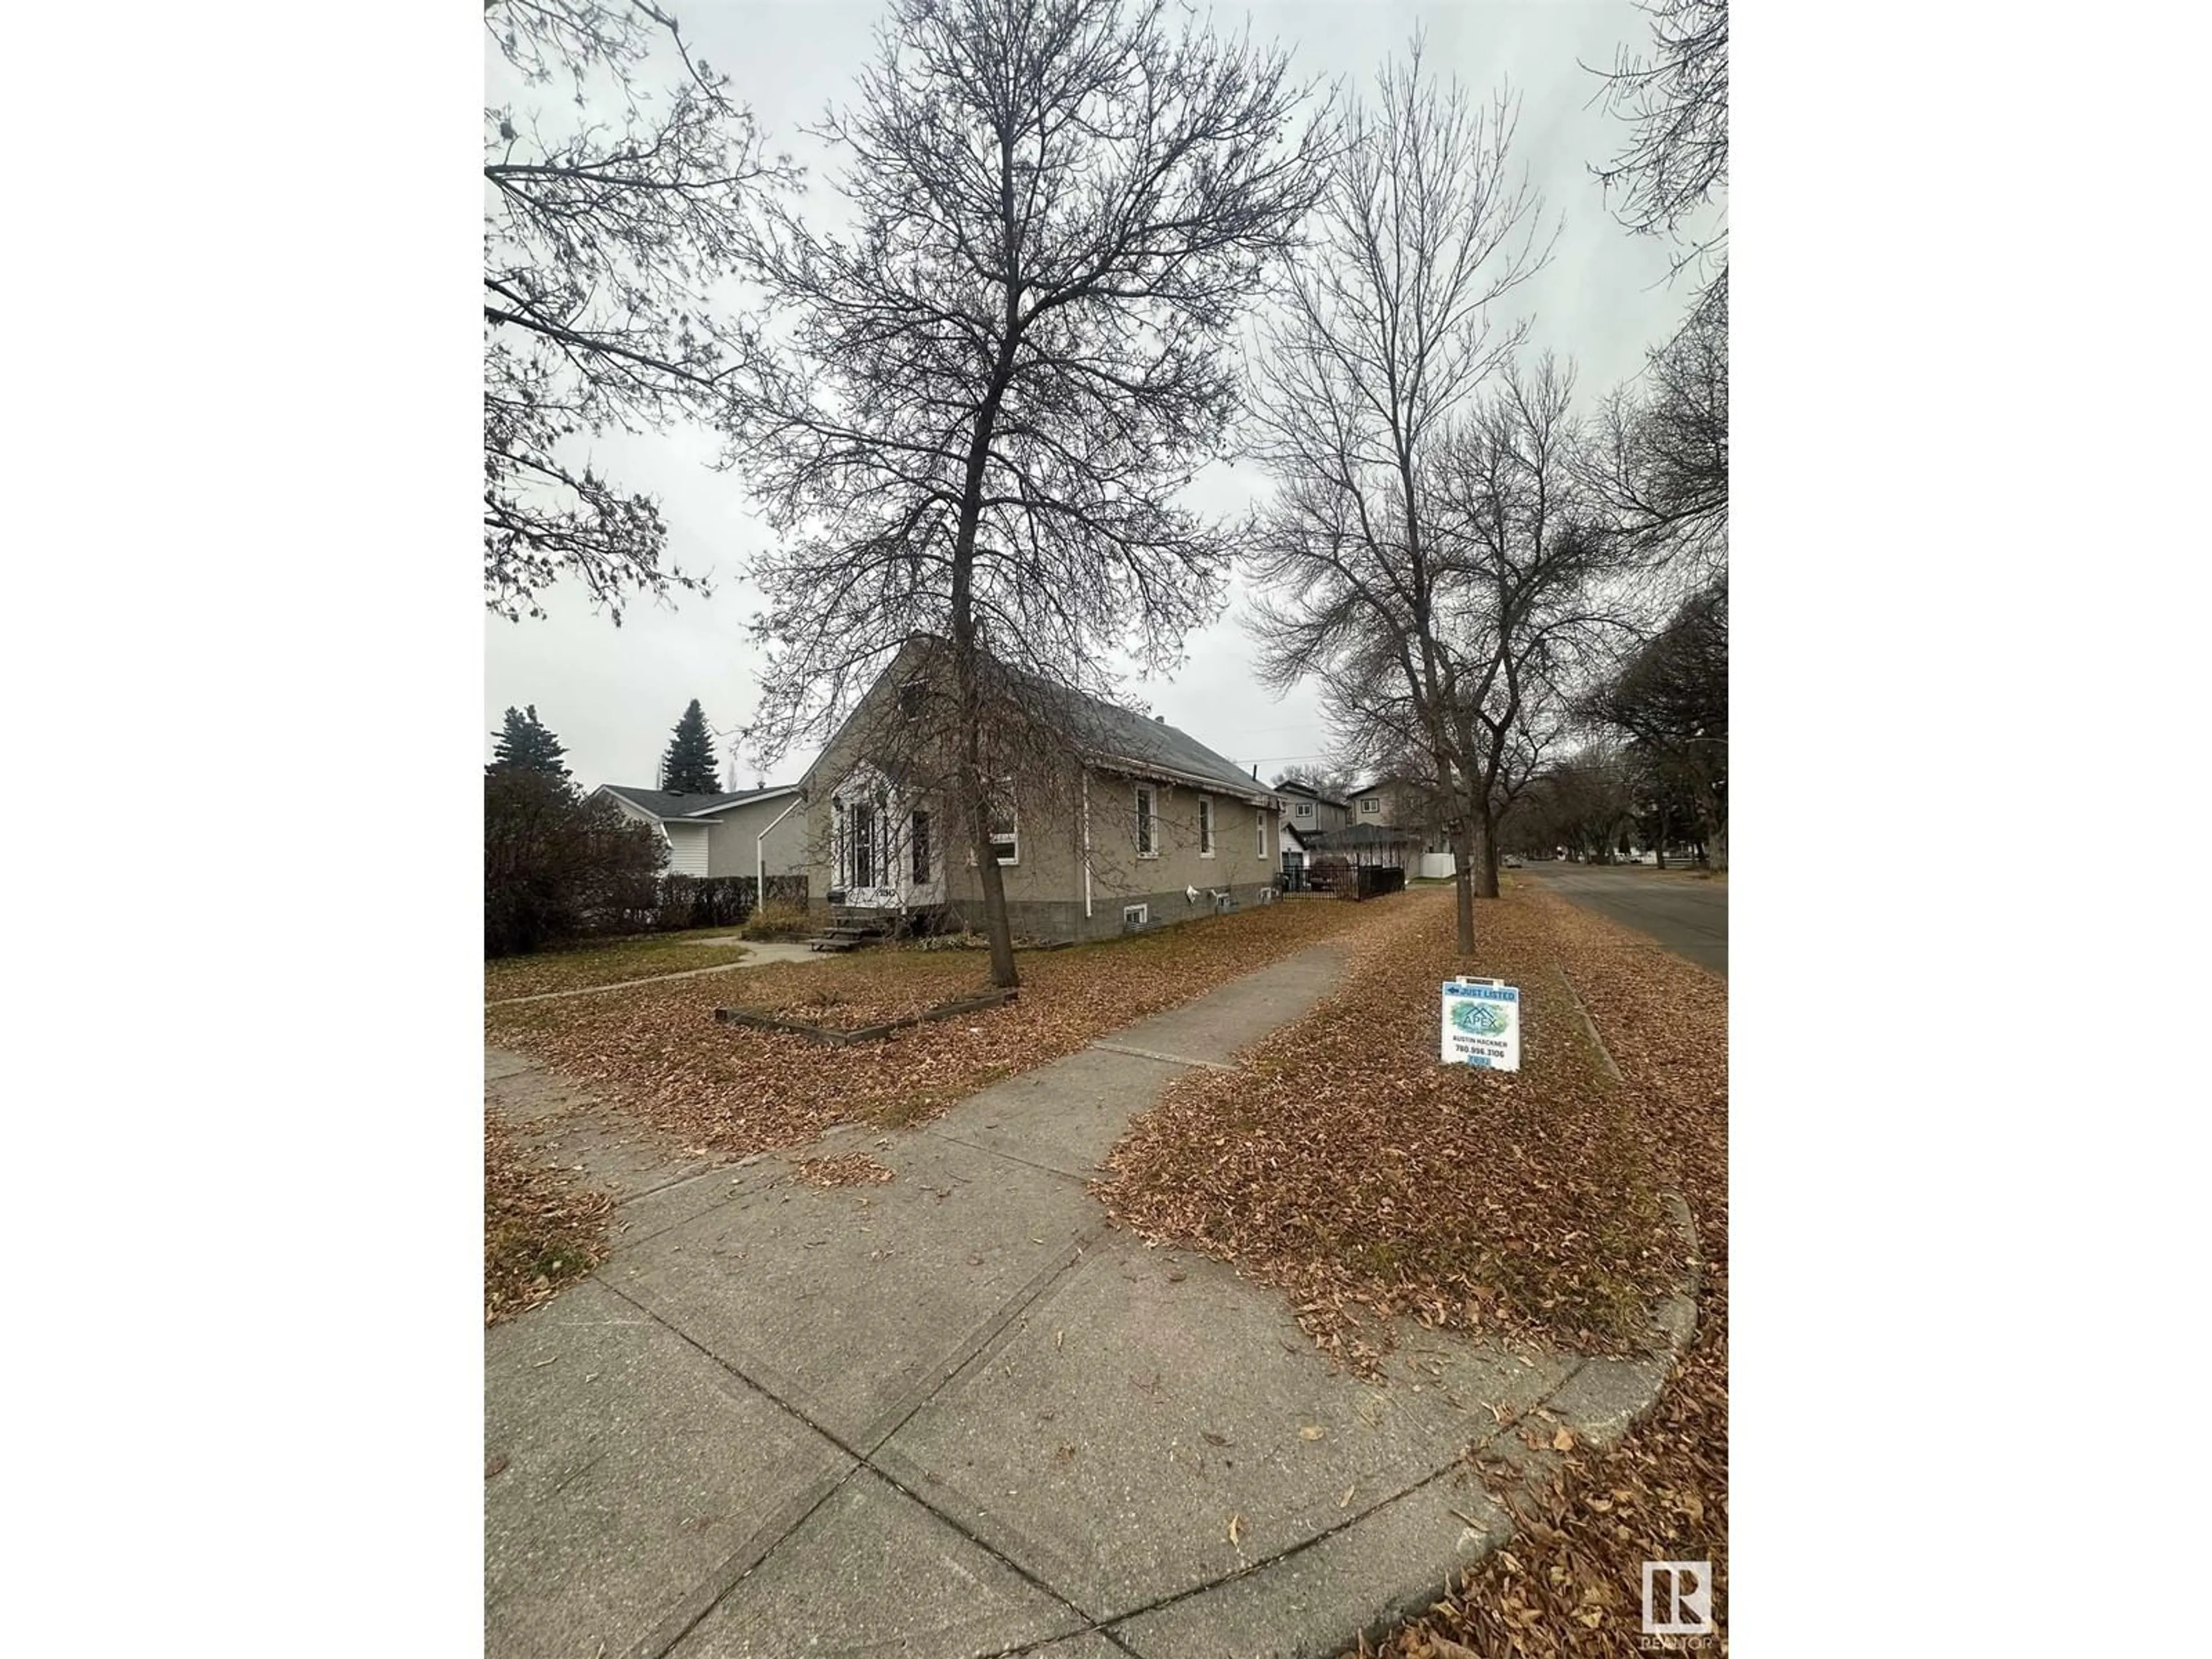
(657, 1051)
(1369, 1181)
(542, 1228)
(1572, 1581)
(605, 964)
(1364, 1178)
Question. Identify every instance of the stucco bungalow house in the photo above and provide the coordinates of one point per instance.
(1119, 822)
(753, 832)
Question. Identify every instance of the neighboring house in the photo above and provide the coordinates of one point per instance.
(1137, 824)
(1307, 814)
(753, 832)
(1399, 804)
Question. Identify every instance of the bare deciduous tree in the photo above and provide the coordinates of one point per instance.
(600, 238)
(1540, 591)
(1322, 779)
(1675, 101)
(1385, 335)
(1584, 804)
(998, 382)
(1671, 700)
(1665, 453)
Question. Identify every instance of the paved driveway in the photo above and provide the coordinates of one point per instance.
(1686, 915)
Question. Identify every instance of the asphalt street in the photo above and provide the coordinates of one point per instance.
(1685, 914)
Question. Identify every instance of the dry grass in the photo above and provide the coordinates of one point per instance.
(605, 964)
(542, 1228)
(657, 1051)
(869, 987)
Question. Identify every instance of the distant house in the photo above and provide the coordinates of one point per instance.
(752, 833)
(1390, 821)
(1307, 814)
(1392, 801)
(1129, 823)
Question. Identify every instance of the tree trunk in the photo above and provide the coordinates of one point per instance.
(1463, 883)
(1485, 825)
(996, 928)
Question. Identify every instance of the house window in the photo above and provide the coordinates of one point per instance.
(1371, 805)
(913, 696)
(1135, 915)
(1005, 833)
(1305, 808)
(1148, 823)
(862, 837)
(1260, 823)
(1206, 826)
(917, 837)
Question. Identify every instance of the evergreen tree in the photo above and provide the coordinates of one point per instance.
(689, 767)
(524, 743)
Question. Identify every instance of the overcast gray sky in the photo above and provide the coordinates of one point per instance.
(612, 694)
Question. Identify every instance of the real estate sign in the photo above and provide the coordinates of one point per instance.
(1482, 1023)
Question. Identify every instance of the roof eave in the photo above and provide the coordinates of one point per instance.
(1252, 795)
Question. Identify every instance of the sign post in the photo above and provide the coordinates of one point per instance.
(1482, 1024)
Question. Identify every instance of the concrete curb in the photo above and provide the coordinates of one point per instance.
(1589, 1025)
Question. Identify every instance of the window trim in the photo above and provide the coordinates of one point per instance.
(1259, 818)
(1145, 809)
(1370, 803)
(1205, 848)
(1305, 808)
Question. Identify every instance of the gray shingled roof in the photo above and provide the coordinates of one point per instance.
(1141, 743)
(662, 805)
(1292, 786)
(1108, 737)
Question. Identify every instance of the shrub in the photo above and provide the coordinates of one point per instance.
(703, 901)
(557, 867)
(777, 919)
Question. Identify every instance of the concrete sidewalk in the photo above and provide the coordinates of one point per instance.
(958, 1415)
